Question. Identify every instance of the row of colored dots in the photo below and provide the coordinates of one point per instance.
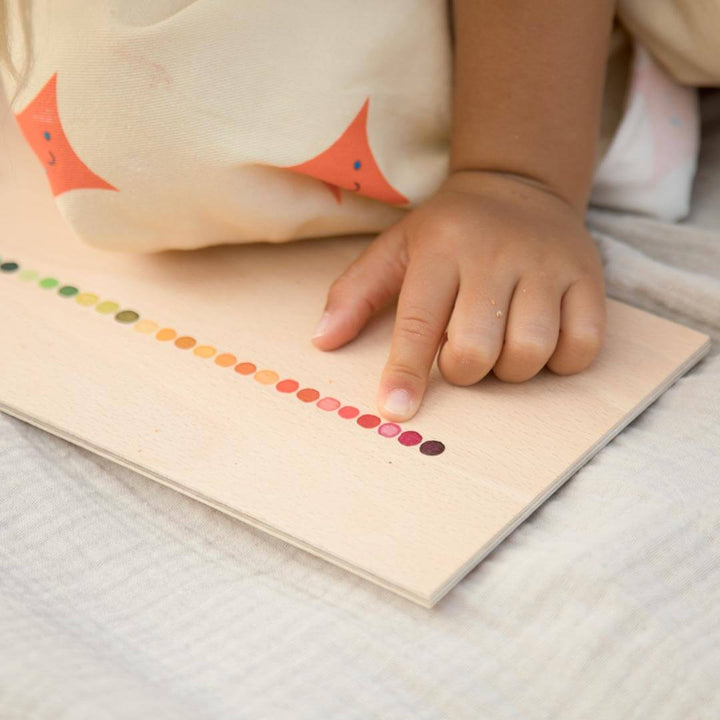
(106, 307)
(408, 438)
(270, 377)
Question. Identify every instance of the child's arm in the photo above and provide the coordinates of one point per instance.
(498, 256)
(528, 84)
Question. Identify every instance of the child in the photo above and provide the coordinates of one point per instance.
(183, 123)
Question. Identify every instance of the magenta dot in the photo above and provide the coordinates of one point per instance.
(389, 429)
(328, 403)
(287, 386)
(348, 412)
(410, 437)
(368, 421)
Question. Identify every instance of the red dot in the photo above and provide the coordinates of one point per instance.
(348, 412)
(287, 386)
(368, 421)
(308, 394)
(245, 368)
(410, 437)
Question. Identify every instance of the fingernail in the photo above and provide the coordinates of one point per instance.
(323, 325)
(398, 402)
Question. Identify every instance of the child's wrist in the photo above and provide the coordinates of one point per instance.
(482, 180)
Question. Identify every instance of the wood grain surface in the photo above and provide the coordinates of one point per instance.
(411, 522)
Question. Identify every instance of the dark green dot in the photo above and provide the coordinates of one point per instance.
(9, 267)
(127, 316)
(68, 291)
(48, 283)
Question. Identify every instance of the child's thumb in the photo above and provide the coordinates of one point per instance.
(366, 285)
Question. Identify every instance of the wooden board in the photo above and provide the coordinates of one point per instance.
(202, 410)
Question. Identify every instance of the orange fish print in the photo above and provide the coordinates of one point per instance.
(349, 163)
(41, 126)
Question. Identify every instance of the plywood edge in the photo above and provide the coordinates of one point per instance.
(692, 360)
(404, 592)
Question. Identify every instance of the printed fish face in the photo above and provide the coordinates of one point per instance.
(349, 164)
(41, 126)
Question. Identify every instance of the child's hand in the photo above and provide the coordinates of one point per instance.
(502, 263)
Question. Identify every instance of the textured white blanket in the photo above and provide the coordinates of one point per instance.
(121, 599)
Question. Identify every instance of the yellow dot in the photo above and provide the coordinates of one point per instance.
(86, 299)
(204, 351)
(107, 306)
(28, 275)
(266, 377)
(146, 326)
(166, 334)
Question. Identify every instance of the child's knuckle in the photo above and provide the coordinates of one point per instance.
(466, 353)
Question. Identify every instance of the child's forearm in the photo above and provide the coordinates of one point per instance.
(528, 85)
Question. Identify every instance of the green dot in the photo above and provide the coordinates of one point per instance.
(28, 275)
(9, 267)
(48, 282)
(127, 316)
(107, 306)
(68, 291)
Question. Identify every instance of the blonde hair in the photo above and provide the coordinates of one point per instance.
(19, 73)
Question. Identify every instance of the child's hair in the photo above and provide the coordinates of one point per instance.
(19, 72)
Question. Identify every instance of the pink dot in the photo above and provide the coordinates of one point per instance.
(368, 421)
(410, 437)
(287, 386)
(389, 429)
(348, 412)
(328, 403)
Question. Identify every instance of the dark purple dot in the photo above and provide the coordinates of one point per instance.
(432, 447)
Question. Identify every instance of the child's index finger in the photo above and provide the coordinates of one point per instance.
(424, 306)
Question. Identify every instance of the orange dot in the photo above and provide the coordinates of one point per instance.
(225, 360)
(185, 342)
(245, 368)
(166, 334)
(267, 377)
(204, 351)
(308, 394)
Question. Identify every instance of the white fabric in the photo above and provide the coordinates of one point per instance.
(650, 163)
(121, 599)
(185, 123)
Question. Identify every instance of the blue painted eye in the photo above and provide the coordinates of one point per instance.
(357, 165)
(46, 135)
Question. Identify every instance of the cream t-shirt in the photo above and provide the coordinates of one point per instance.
(185, 123)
